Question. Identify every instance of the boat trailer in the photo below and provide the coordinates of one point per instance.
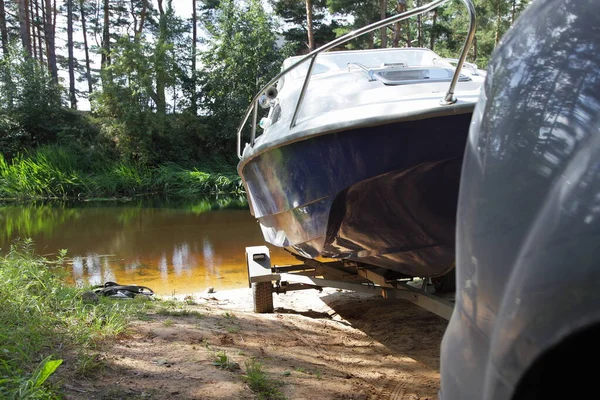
(266, 279)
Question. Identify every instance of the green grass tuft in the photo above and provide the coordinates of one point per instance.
(264, 387)
(41, 318)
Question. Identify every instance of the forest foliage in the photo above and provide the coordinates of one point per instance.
(139, 82)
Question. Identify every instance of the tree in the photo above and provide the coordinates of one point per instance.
(105, 35)
(24, 26)
(193, 93)
(49, 35)
(71, 61)
(241, 58)
(298, 35)
(3, 29)
(364, 12)
(383, 30)
(88, 70)
(309, 25)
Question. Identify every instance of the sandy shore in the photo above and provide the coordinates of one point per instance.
(329, 345)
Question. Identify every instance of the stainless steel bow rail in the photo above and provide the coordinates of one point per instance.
(448, 99)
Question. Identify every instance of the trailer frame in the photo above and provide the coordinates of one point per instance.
(266, 279)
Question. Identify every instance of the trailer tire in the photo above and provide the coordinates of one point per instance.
(262, 293)
(445, 283)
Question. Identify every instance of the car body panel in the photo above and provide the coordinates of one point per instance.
(528, 231)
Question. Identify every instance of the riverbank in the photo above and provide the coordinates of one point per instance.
(53, 172)
(60, 342)
(339, 344)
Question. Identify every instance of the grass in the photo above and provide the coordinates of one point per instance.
(43, 321)
(54, 172)
(180, 312)
(258, 381)
(223, 361)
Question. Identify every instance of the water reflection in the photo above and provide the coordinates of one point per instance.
(168, 245)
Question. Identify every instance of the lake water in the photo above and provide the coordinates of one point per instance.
(172, 246)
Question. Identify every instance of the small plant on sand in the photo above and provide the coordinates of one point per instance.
(88, 364)
(168, 322)
(229, 316)
(264, 387)
(179, 312)
(232, 329)
(223, 361)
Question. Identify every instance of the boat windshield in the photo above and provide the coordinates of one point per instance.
(339, 60)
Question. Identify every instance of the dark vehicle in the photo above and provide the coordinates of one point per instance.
(527, 319)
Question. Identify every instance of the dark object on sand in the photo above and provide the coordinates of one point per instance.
(113, 289)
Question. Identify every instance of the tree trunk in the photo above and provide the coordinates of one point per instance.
(194, 100)
(88, 70)
(71, 61)
(161, 98)
(24, 25)
(50, 47)
(6, 76)
(106, 36)
(32, 35)
(513, 12)
(498, 18)
(39, 30)
(419, 27)
(400, 8)
(142, 18)
(432, 38)
(309, 25)
(3, 30)
(383, 15)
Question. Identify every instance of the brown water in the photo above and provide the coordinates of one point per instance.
(173, 247)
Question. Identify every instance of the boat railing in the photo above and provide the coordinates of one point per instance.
(448, 99)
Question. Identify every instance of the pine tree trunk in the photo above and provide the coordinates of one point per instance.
(513, 12)
(39, 30)
(106, 36)
(24, 25)
(498, 18)
(3, 30)
(419, 27)
(50, 48)
(400, 8)
(71, 61)
(88, 70)
(383, 14)
(432, 38)
(194, 101)
(32, 36)
(138, 33)
(6, 76)
(161, 98)
(309, 25)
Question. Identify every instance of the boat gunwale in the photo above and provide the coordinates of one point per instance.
(461, 107)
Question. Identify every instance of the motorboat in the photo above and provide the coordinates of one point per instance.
(360, 154)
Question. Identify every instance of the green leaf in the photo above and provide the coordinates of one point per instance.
(48, 367)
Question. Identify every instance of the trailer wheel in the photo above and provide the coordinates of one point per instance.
(445, 283)
(262, 292)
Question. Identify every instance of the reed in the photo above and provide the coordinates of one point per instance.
(54, 172)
